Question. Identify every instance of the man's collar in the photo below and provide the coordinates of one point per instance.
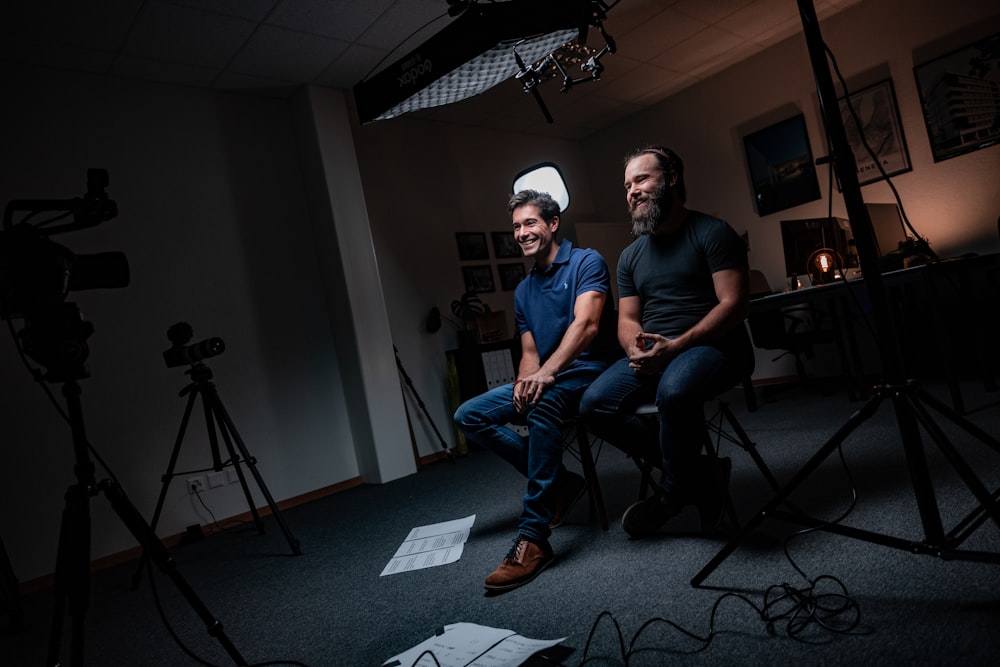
(562, 256)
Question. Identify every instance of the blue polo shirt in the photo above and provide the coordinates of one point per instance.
(544, 300)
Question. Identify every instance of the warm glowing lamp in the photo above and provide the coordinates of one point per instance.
(824, 266)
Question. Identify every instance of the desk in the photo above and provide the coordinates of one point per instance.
(938, 312)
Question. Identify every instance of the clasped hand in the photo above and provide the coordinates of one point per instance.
(529, 389)
(650, 354)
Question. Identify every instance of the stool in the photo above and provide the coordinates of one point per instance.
(576, 441)
(714, 425)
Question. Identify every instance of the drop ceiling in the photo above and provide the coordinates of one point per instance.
(271, 47)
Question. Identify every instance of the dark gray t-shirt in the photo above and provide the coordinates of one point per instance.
(672, 275)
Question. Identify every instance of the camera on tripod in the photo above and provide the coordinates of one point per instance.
(36, 275)
(181, 353)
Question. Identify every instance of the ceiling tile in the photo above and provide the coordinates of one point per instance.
(153, 70)
(255, 10)
(341, 19)
(96, 24)
(46, 54)
(286, 55)
(759, 17)
(176, 34)
(692, 55)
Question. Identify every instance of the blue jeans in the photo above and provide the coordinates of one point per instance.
(538, 456)
(690, 379)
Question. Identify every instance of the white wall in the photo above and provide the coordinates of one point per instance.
(214, 224)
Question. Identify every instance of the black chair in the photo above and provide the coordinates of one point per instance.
(795, 330)
(721, 426)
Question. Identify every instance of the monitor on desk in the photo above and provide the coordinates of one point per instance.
(799, 238)
(887, 227)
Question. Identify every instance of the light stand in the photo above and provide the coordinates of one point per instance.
(420, 403)
(908, 401)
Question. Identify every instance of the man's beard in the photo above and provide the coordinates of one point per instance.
(659, 204)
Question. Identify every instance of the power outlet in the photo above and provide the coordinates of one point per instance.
(195, 485)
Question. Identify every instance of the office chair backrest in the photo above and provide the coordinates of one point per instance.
(758, 284)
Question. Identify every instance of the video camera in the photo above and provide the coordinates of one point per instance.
(36, 274)
(180, 353)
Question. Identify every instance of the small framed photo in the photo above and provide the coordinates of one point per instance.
(478, 278)
(510, 275)
(505, 246)
(472, 246)
(958, 97)
(782, 172)
(876, 110)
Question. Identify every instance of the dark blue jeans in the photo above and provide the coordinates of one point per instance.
(485, 418)
(690, 379)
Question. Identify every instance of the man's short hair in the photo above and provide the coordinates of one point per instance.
(547, 206)
(668, 161)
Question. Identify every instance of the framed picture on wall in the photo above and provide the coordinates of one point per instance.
(510, 275)
(782, 172)
(505, 245)
(472, 246)
(875, 109)
(478, 278)
(959, 99)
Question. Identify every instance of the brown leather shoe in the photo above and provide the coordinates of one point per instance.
(523, 562)
(569, 489)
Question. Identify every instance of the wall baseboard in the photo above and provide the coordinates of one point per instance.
(45, 581)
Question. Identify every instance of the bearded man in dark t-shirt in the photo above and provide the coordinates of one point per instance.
(683, 288)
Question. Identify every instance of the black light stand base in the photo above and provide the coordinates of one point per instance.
(910, 400)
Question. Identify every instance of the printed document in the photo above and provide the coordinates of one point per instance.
(429, 546)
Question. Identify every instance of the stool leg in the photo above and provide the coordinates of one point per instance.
(595, 498)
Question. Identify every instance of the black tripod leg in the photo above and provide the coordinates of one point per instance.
(9, 592)
(167, 476)
(230, 435)
(161, 557)
(71, 586)
(831, 445)
(988, 504)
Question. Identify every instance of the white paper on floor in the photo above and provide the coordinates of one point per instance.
(471, 645)
(430, 546)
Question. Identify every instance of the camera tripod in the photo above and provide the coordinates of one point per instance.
(71, 584)
(216, 417)
(910, 404)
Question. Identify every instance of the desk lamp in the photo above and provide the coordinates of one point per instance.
(824, 265)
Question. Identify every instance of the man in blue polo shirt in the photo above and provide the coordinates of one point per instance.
(565, 318)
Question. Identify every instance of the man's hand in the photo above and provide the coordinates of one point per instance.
(651, 353)
(529, 389)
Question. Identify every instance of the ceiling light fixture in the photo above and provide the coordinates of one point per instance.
(476, 51)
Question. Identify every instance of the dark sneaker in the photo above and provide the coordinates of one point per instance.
(645, 517)
(713, 489)
(523, 562)
(569, 489)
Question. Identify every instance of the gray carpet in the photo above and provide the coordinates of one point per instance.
(329, 606)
